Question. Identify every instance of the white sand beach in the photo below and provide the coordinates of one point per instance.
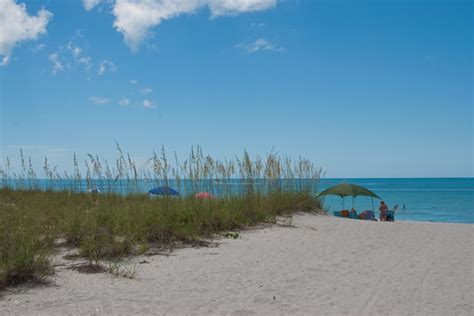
(323, 265)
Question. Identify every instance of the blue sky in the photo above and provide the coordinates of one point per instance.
(362, 88)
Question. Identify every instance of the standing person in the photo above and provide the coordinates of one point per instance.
(383, 211)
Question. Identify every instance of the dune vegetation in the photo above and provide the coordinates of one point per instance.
(39, 214)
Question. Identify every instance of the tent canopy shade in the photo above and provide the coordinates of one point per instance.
(346, 189)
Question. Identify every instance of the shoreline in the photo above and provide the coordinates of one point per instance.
(323, 265)
(407, 221)
(433, 222)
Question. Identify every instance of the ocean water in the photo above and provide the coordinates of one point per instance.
(437, 200)
(429, 199)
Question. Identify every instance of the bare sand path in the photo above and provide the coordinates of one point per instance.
(325, 265)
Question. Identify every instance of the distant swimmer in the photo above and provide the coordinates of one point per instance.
(404, 207)
(395, 207)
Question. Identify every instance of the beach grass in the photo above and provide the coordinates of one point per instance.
(109, 226)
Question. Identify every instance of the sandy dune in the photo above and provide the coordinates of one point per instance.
(325, 265)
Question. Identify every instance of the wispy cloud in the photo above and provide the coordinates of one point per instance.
(234, 7)
(90, 4)
(72, 57)
(100, 100)
(57, 64)
(75, 50)
(259, 45)
(85, 60)
(124, 102)
(146, 90)
(78, 57)
(148, 104)
(255, 24)
(69, 57)
(17, 26)
(133, 81)
(104, 66)
(5, 60)
(38, 47)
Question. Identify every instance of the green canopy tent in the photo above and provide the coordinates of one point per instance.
(346, 189)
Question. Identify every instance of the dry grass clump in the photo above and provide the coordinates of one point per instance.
(35, 212)
(24, 247)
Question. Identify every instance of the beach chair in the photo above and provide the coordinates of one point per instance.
(337, 214)
(353, 215)
(390, 216)
(369, 215)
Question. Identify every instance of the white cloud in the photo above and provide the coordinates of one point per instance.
(79, 58)
(17, 26)
(99, 100)
(57, 64)
(233, 7)
(146, 90)
(124, 102)
(148, 104)
(133, 81)
(75, 50)
(135, 18)
(90, 4)
(5, 60)
(101, 69)
(70, 57)
(86, 60)
(254, 24)
(79, 33)
(260, 44)
(104, 66)
(38, 48)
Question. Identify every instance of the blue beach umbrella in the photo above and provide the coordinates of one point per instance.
(164, 191)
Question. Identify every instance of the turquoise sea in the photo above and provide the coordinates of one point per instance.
(428, 199)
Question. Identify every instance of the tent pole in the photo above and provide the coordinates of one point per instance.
(352, 202)
(373, 208)
(342, 202)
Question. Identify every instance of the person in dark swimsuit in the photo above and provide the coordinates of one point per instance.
(383, 211)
